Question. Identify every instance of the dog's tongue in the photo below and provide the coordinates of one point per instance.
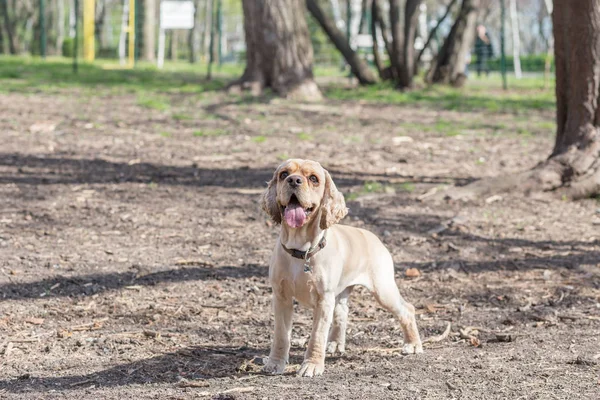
(295, 215)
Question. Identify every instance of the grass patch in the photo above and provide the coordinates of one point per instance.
(32, 74)
(182, 117)
(479, 95)
(210, 132)
(166, 134)
(153, 103)
(259, 139)
(304, 136)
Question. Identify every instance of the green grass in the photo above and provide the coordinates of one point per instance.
(259, 139)
(153, 103)
(166, 134)
(32, 74)
(181, 117)
(304, 136)
(371, 187)
(477, 95)
(210, 132)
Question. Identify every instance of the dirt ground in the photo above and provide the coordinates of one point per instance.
(133, 253)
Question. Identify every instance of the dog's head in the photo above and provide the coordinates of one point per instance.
(299, 191)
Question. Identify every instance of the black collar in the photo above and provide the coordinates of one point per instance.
(306, 255)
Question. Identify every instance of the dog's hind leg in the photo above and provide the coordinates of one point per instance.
(387, 294)
(337, 334)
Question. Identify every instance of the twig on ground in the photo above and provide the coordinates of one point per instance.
(439, 338)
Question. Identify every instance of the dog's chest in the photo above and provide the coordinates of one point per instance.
(304, 286)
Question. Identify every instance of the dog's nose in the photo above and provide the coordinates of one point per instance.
(294, 181)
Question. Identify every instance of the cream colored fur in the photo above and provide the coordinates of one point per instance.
(351, 257)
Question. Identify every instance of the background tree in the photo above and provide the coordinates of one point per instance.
(279, 53)
(360, 69)
(449, 65)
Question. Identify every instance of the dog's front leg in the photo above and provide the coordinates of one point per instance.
(283, 309)
(314, 359)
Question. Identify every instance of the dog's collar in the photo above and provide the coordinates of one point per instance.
(308, 254)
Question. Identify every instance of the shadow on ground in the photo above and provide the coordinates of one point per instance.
(85, 285)
(199, 362)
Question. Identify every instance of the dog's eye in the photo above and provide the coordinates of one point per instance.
(283, 175)
(314, 179)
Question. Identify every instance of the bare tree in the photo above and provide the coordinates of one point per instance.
(279, 52)
(9, 26)
(450, 63)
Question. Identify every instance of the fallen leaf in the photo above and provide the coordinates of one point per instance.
(413, 273)
(35, 321)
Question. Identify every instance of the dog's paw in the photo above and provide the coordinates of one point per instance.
(333, 347)
(411, 348)
(310, 369)
(274, 367)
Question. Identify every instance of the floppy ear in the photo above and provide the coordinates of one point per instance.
(333, 206)
(268, 200)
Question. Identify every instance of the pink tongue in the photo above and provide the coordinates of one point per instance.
(295, 215)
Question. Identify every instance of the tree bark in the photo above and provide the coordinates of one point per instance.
(406, 69)
(279, 53)
(397, 55)
(450, 63)
(149, 32)
(193, 35)
(60, 26)
(377, 16)
(10, 28)
(359, 67)
(376, 56)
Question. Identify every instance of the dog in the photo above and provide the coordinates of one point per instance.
(318, 262)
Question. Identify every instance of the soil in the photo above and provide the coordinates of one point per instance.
(133, 252)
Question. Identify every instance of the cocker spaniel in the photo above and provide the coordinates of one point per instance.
(318, 262)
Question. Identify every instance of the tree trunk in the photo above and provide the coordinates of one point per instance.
(377, 16)
(193, 35)
(514, 25)
(396, 56)
(99, 20)
(60, 26)
(279, 53)
(149, 32)
(10, 28)
(359, 67)
(450, 63)
(123, 34)
(376, 56)
(434, 30)
(406, 69)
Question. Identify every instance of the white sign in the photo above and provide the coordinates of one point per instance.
(176, 14)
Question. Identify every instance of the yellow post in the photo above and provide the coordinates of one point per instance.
(89, 45)
(131, 33)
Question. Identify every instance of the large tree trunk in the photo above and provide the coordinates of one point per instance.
(279, 53)
(575, 160)
(359, 67)
(573, 168)
(450, 63)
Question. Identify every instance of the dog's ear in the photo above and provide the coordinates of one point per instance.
(268, 200)
(333, 206)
